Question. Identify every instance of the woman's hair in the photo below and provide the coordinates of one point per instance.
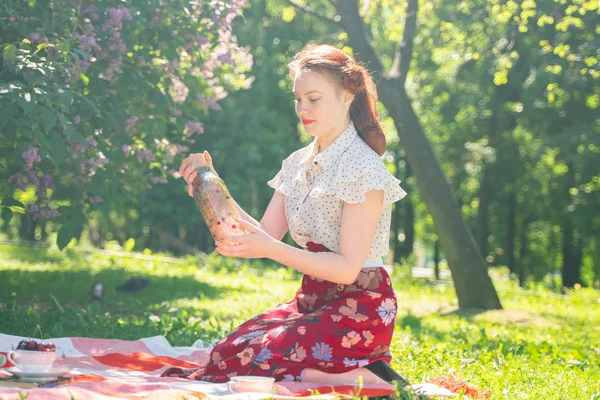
(353, 77)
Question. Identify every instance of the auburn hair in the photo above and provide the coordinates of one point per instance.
(355, 78)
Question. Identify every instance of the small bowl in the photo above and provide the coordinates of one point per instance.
(257, 384)
(32, 361)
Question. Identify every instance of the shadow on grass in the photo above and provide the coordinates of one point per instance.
(465, 313)
(515, 318)
(117, 315)
(72, 288)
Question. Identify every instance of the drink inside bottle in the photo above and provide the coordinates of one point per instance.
(216, 205)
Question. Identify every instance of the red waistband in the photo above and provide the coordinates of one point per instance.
(316, 247)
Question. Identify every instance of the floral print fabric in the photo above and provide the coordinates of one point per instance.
(326, 326)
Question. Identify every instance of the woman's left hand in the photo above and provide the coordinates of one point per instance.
(256, 244)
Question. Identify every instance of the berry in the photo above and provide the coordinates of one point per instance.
(50, 346)
(32, 345)
(23, 344)
(41, 346)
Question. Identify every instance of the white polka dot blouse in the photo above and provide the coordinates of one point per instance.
(316, 186)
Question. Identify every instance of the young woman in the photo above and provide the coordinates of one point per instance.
(335, 197)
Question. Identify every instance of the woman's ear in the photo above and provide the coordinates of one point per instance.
(348, 98)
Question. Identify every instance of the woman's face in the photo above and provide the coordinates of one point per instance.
(323, 107)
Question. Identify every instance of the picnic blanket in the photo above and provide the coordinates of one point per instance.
(110, 368)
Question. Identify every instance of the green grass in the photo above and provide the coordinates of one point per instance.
(541, 346)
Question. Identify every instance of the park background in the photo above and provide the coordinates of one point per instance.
(490, 109)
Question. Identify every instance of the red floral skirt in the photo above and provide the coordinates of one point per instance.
(327, 326)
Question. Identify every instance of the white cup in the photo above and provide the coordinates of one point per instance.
(260, 384)
(32, 361)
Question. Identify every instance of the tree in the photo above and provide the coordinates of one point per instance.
(474, 287)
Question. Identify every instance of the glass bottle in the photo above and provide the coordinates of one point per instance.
(216, 205)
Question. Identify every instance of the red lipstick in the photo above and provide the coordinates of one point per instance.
(308, 121)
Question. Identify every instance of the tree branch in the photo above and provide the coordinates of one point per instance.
(313, 12)
(354, 25)
(404, 49)
(365, 8)
(394, 71)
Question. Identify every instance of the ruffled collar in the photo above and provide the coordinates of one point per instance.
(331, 155)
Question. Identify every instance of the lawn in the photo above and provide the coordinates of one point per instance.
(543, 345)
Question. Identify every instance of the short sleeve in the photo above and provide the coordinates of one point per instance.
(354, 191)
(277, 180)
(361, 170)
(284, 181)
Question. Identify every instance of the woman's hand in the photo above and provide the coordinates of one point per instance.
(188, 169)
(256, 244)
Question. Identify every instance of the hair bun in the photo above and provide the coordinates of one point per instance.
(354, 80)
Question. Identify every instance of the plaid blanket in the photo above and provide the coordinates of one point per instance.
(111, 368)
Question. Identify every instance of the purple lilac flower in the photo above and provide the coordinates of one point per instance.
(192, 127)
(45, 214)
(130, 123)
(116, 16)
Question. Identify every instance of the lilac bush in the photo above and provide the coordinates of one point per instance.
(98, 99)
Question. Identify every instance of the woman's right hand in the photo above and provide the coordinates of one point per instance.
(188, 169)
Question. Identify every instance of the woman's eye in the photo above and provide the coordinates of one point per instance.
(311, 100)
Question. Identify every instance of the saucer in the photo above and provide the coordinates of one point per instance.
(52, 373)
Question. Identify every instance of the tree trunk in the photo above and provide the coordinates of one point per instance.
(510, 236)
(173, 241)
(578, 258)
(404, 249)
(485, 188)
(95, 234)
(482, 211)
(571, 273)
(436, 259)
(522, 253)
(572, 255)
(43, 231)
(27, 228)
(394, 233)
(409, 218)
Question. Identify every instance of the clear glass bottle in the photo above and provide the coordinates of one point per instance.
(216, 205)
